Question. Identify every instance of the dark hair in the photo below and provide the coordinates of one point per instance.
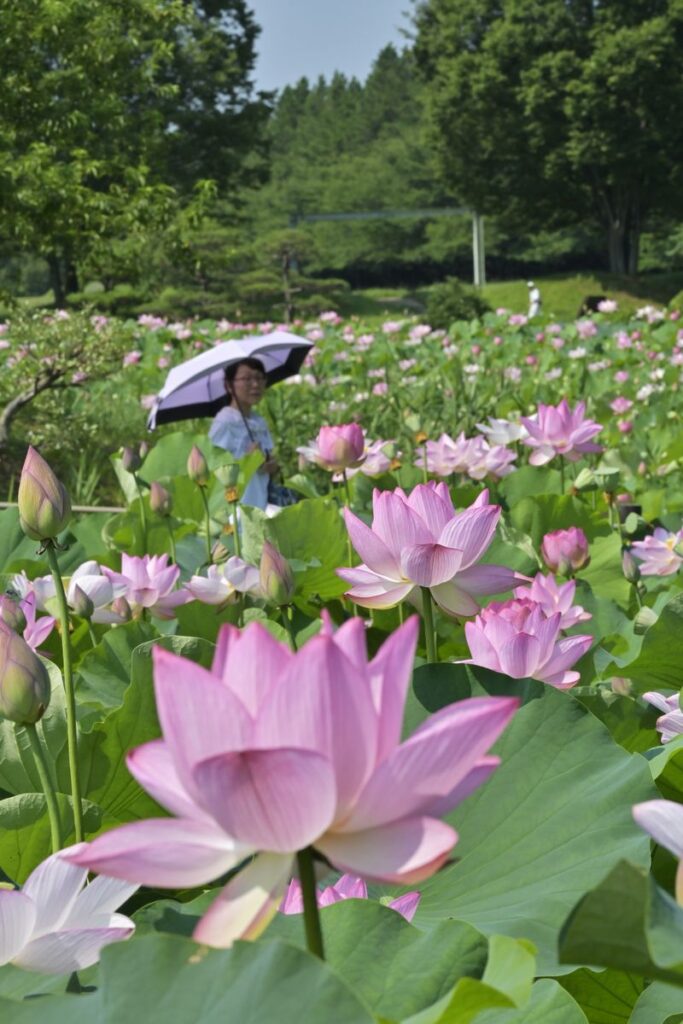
(231, 371)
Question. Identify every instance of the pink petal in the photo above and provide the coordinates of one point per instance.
(350, 887)
(471, 532)
(567, 652)
(663, 820)
(397, 525)
(17, 918)
(293, 900)
(249, 662)
(430, 564)
(403, 852)
(431, 507)
(278, 800)
(351, 639)
(101, 896)
(171, 853)
(371, 548)
(407, 905)
(487, 579)
(482, 650)
(324, 703)
(519, 656)
(453, 600)
(432, 762)
(390, 673)
(248, 902)
(152, 766)
(73, 950)
(378, 593)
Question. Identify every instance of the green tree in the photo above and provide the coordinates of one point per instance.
(547, 112)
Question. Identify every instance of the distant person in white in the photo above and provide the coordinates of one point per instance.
(534, 299)
(239, 430)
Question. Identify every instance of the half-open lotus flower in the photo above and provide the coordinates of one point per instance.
(336, 448)
(348, 887)
(517, 639)
(55, 923)
(663, 820)
(418, 540)
(272, 752)
(91, 580)
(148, 582)
(670, 724)
(555, 597)
(223, 582)
(659, 554)
(560, 430)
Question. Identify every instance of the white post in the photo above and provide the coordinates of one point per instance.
(478, 250)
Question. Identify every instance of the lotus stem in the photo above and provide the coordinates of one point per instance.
(346, 488)
(70, 700)
(48, 788)
(207, 523)
(314, 935)
(91, 633)
(561, 475)
(289, 619)
(235, 529)
(428, 616)
(171, 536)
(143, 514)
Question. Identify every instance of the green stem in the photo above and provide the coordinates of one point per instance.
(171, 538)
(346, 488)
(207, 522)
(636, 591)
(143, 514)
(289, 619)
(235, 529)
(91, 631)
(401, 614)
(561, 475)
(70, 700)
(314, 935)
(428, 616)
(48, 788)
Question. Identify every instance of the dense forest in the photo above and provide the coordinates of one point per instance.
(173, 185)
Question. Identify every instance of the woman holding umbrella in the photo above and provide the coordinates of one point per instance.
(239, 430)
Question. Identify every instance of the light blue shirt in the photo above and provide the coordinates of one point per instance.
(228, 431)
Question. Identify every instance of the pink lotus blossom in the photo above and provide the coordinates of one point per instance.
(337, 448)
(663, 820)
(586, 329)
(625, 426)
(131, 358)
(377, 461)
(517, 639)
(560, 430)
(419, 540)
(555, 597)
(272, 752)
(565, 551)
(148, 582)
(55, 923)
(620, 405)
(446, 455)
(658, 554)
(348, 887)
(607, 306)
(98, 586)
(670, 724)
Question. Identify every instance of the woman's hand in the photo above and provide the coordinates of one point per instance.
(270, 466)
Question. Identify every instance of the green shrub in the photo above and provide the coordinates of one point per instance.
(453, 301)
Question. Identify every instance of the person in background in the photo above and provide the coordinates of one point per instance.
(534, 299)
(240, 430)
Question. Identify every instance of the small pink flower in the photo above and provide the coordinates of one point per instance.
(625, 426)
(348, 887)
(555, 597)
(131, 358)
(659, 553)
(565, 550)
(670, 725)
(620, 405)
(560, 430)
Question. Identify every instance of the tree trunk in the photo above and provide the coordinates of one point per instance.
(623, 234)
(71, 276)
(54, 263)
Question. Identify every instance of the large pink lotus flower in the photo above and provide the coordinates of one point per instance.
(419, 540)
(336, 448)
(565, 551)
(516, 638)
(658, 554)
(560, 430)
(348, 887)
(148, 582)
(555, 597)
(54, 925)
(663, 820)
(670, 724)
(273, 752)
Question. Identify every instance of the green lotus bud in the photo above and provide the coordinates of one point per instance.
(11, 614)
(160, 500)
(629, 566)
(44, 506)
(645, 618)
(143, 450)
(585, 480)
(81, 603)
(121, 608)
(219, 552)
(197, 468)
(24, 682)
(228, 475)
(130, 459)
(275, 576)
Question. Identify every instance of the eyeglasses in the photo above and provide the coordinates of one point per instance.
(250, 378)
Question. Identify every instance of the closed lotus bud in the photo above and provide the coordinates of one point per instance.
(565, 551)
(585, 480)
(197, 468)
(143, 450)
(160, 501)
(228, 475)
(341, 447)
(219, 552)
(121, 608)
(11, 614)
(81, 603)
(131, 460)
(275, 576)
(629, 566)
(24, 682)
(645, 618)
(44, 506)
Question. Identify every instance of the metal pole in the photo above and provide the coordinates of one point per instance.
(478, 250)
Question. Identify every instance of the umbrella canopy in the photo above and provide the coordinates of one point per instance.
(196, 388)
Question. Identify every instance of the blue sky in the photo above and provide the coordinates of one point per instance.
(313, 37)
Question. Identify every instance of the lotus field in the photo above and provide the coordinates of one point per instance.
(409, 749)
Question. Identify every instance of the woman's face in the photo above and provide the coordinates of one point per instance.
(248, 386)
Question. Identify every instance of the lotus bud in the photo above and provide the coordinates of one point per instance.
(121, 608)
(629, 566)
(621, 686)
(228, 475)
(645, 618)
(219, 552)
(143, 451)
(131, 460)
(24, 682)
(81, 603)
(197, 468)
(11, 614)
(340, 447)
(160, 500)
(44, 506)
(585, 481)
(275, 576)
(565, 551)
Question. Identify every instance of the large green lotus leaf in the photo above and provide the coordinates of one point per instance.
(76, 1009)
(169, 455)
(667, 769)
(311, 532)
(103, 673)
(660, 662)
(17, 551)
(16, 983)
(204, 620)
(631, 722)
(135, 722)
(543, 513)
(551, 820)
(659, 1004)
(606, 997)
(87, 530)
(627, 922)
(604, 574)
(123, 531)
(473, 1002)
(529, 481)
(25, 831)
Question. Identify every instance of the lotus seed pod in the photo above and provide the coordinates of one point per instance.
(44, 506)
